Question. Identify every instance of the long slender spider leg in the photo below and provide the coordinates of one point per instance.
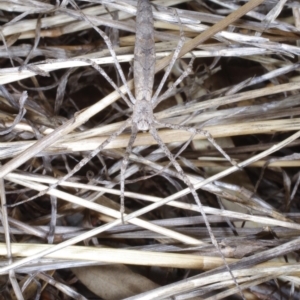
(186, 73)
(183, 147)
(83, 162)
(109, 80)
(111, 50)
(170, 66)
(187, 181)
(134, 131)
(202, 132)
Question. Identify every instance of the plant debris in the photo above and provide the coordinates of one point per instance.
(56, 108)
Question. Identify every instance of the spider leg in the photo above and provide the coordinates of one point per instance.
(202, 132)
(173, 86)
(124, 166)
(187, 181)
(183, 147)
(109, 80)
(111, 50)
(84, 161)
(154, 99)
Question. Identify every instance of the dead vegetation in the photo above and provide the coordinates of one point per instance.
(56, 109)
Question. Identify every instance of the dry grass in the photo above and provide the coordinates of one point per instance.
(70, 244)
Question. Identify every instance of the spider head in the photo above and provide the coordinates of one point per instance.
(142, 115)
